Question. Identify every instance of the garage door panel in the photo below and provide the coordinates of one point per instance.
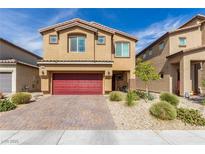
(6, 82)
(76, 83)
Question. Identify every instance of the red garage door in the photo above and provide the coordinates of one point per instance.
(77, 84)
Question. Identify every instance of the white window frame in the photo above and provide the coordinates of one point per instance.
(150, 52)
(180, 41)
(161, 46)
(122, 48)
(51, 39)
(99, 42)
(144, 56)
(77, 51)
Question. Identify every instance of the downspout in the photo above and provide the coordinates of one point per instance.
(94, 44)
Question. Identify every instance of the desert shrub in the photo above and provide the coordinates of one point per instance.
(190, 116)
(21, 98)
(131, 98)
(6, 105)
(144, 95)
(163, 110)
(149, 96)
(116, 96)
(170, 98)
(203, 102)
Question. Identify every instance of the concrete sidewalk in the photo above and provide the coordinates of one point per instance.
(105, 137)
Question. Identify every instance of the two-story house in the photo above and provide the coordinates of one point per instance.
(82, 57)
(18, 69)
(179, 57)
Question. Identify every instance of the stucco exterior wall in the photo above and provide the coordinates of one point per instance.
(8, 51)
(185, 66)
(124, 64)
(203, 34)
(193, 38)
(27, 77)
(93, 51)
(159, 61)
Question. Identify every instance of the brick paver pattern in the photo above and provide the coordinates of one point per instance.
(60, 112)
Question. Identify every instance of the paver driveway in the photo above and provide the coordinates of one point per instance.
(60, 112)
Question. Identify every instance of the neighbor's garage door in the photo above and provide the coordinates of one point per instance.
(5, 82)
(77, 84)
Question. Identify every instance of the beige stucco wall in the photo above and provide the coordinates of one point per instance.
(185, 64)
(159, 61)
(27, 76)
(8, 51)
(93, 51)
(203, 34)
(193, 38)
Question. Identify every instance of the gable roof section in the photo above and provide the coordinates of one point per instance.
(76, 24)
(181, 28)
(86, 24)
(22, 49)
(153, 43)
(198, 16)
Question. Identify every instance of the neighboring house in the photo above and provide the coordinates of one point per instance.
(18, 69)
(82, 57)
(179, 57)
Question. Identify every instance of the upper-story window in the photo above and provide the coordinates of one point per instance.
(161, 46)
(144, 56)
(77, 43)
(122, 49)
(150, 52)
(182, 41)
(53, 39)
(101, 40)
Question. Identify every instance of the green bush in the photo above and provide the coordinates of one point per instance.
(190, 116)
(131, 98)
(203, 83)
(21, 98)
(150, 97)
(170, 98)
(163, 110)
(144, 95)
(203, 102)
(141, 94)
(6, 105)
(116, 96)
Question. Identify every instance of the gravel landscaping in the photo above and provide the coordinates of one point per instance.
(138, 116)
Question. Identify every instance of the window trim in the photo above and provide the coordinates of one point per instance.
(101, 43)
(50, 39)
(128, 52)
(144, 56)
(150, 52)
(163, 46)
(69, 43)
(180, 45)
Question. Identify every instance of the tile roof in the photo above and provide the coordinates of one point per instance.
(75, 62)
(14, 61)
(92, 24)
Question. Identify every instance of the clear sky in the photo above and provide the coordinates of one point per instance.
(20, 26)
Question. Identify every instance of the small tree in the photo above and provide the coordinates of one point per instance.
(146, 72)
